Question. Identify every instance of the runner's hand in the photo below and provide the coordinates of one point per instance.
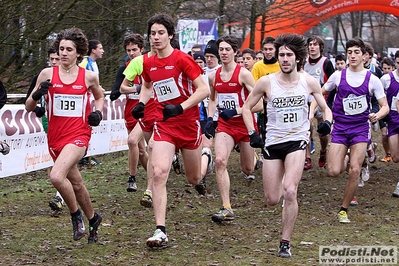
(226, 114)
(209, 129)
(42, 90)
(138, 110)
(256, 141)
(171, 110)
(324, 128)
(95, 118)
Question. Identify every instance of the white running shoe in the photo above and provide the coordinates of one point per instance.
(211, 164)
(159, 239)
(365, 173)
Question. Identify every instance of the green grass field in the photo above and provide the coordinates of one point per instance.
(30, 235)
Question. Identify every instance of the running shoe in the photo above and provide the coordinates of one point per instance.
(146, 200)
(365, 173)
(396, 192)
(237, 148)
(259, 161)
(93, 236)
(159, 239)
(375, 126)
(285, 250)
(312, 147)
(386, 159)
(308, 164)
(223, 215)
(94, 161)
(56, 204)
(201, 187)
(322, 158)
(354, 202)
(176, 164)
(131, 184)
(78, 226)
(211, 164)
(343, 217)
(371, 153)
(250, 177)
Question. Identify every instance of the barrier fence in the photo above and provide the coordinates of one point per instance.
(24, 132)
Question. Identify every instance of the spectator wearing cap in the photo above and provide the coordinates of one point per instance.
(199, 58)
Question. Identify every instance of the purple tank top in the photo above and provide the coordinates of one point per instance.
(349, 99)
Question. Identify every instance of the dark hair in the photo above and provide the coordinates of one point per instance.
(397, 54)
(175, 44)
(268, 39)
(51, 50)
(93, 45)
(249, 51)
(164, 20)
(232, 40)
(134, 38)
(340, 57)
(295, 43)
(369, 48)
(356, 42)
(75, 35)
(388, 61)
(318, 40)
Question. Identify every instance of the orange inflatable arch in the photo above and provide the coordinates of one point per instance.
(299, 16)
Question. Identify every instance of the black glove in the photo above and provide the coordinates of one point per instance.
(209, 130)
(138, 110)
(114, 95)
(256, 141)
(226, 114)
(95, 118)
(138, 88)
(324, 128)
(42, 90)
(39, 111)
(171, 110)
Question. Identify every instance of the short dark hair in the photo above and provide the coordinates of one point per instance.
(134, 38)
(356, 42)
(268, 39)
(318, 39)
(75, 35)
(388, 61)
(164, 20)
(51, 50)
(296, 43)
(93, 45)
(232, 40)
(340, 57)
(249, 51)
(397, 54)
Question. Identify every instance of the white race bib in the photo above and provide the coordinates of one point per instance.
(291, 117)
(166, 89)
(133, 96)
(228, 100)
(355, 105)
(393, 104)
(68, 105)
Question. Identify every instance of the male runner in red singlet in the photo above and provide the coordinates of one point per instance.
(67, 89)
(178, 87)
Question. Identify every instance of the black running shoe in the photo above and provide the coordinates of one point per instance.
(131, 184)
(78, 226)
(93, 237)
(285, 251)
(201, 187)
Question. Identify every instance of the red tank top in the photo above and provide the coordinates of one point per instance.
(172, 80)
(68, 107)
(231, 94)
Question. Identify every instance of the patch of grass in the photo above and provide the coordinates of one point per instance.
(29, 235)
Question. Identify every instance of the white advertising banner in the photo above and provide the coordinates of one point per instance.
(24, 132)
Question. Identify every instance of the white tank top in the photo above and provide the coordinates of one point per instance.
(287, 112)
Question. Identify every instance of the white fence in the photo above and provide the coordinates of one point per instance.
(23, 131)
